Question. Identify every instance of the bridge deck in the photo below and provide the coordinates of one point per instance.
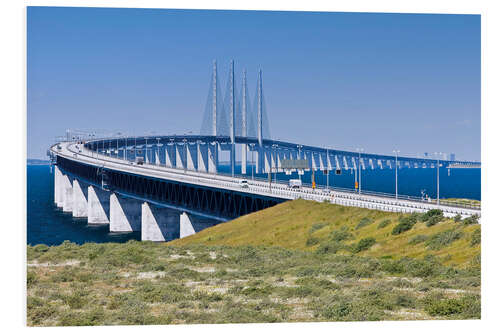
(79, 153)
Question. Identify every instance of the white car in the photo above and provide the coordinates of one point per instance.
(244, 183)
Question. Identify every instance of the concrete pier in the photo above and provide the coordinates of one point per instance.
(98, 206)
(185, 226)
(67, 193)
(124, 214)
(155, 223)
(80, 199)
(58, 197)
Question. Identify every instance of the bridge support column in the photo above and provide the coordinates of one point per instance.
(67, 193)
(57, 187)
(80, 199)
(169, 155)
(185, 227)
(213, 157)
(243, 159)
(179, 157)
(267, 155)
(124, 214)
(98, 206)
(155, 223)
(192, 153)
(202, 157)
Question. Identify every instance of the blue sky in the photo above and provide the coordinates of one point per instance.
(343, 80)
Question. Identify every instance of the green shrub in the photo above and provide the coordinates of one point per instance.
(364, 244)
(364, 222)
(466, 307)
(418, 239)
(475, 237)
(329, 247)
(316, 227)
(433, 220)
(432, 212)
(457, 218)
(31, 279)
(384, 224)
(443, 239)
(337, 311)
(405, 224)
(341, 235)
(312, 241)
(474, 219)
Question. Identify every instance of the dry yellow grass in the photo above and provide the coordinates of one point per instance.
(288, 225)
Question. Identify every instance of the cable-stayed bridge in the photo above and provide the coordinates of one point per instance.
(129, 181)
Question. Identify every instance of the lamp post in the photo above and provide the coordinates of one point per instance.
(125, 150)
(135, 148)
(185, 153)
(299, 148)
(359, 166)
(275, 146)
(396, 152)
(158, 151)
(327, 169)
(438, 154)
(252, 145)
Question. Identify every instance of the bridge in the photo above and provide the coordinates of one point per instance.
(134, 183)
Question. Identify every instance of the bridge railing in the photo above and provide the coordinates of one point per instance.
(261, 186)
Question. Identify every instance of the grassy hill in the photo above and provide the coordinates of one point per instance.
(296, 262)
(323, 227)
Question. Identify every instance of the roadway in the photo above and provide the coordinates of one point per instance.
(77, 152)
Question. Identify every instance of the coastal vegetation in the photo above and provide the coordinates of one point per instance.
(298, 261)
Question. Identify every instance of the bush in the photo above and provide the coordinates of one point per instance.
(31, 279)
(474, 219)
(364, 244)
(432, 212)
(337, 311)
(341, 235)
(405, 224)
(312, 241)
(364, 222)
(329, 247)
(316, 227)
(457, 218)
(442, 239)
(384, 224)
(467, 306)
(418, 239)
(433, 220)
(475, 237)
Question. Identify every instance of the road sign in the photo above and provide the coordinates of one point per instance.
(294, 164)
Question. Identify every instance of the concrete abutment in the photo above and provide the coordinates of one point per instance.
(124, 214)
(98, 205)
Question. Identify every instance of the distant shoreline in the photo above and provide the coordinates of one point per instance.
(34, 161)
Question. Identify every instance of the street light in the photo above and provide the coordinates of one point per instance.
(396, 152)
(185, 153)
(327, 169)
(158, 151)
(252, 145)
(438, 162)
(299, 147)
(275, 162)
(359, 150)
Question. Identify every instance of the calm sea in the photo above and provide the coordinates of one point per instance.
(49, 225)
